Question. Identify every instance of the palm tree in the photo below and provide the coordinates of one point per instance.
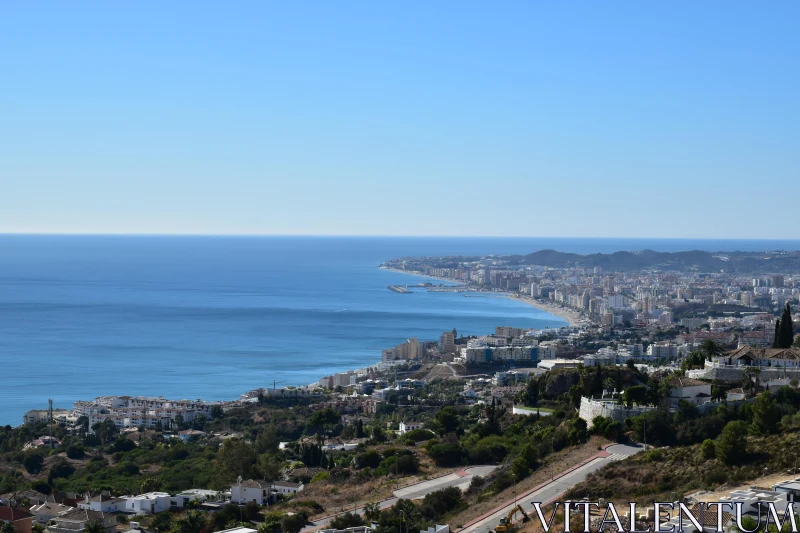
(193, 522)
(711, 348)
(93, 527)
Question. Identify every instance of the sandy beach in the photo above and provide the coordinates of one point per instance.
(572, 317)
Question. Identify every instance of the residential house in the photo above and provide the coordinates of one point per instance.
(688, 389)
(151, 503)
(405, 427)
(44, 512)
(762, 357)
(190, 434)
(77, 519)
(250, 490)
(21, 519)
(791, 488)
(287, 487)
(103, 503)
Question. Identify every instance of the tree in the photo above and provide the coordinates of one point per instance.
(216, 412)
(785, 330)
(447, 420)
(33, 462)
(193, 522)
(93, 527)
(731, 445)
(711, 348)
(443, 501)
(636, 394)
(293, 523)
(346, 520)
(162, 522)
(268, 440)
(8, 527)
(777, 340)
(766, 415)
(235, 458)
(372, 511)
(708, 449)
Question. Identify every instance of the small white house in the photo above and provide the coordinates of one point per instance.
(150, 503)
(250, 490)
(405, 427)
(689, 390)
(287, 487)
(102, 503)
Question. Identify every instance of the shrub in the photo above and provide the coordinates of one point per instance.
(447, 454)
(348, 519)
(75, 452)
(708, 449)
(443, 501)
(731, 445)
(492, 449)
(320, 476)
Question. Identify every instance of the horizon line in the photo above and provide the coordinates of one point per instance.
(365, 235)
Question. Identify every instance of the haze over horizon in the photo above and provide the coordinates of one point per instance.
(609, 121)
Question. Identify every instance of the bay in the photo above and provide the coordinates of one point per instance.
(213, 317)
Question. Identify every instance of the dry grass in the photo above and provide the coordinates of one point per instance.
(559, 462)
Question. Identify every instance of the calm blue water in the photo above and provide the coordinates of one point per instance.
(212, 317)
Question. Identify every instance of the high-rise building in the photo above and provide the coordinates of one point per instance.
(447, 341)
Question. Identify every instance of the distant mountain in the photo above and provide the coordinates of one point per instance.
(626, 261)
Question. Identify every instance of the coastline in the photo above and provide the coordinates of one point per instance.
(573, 318)
(414, 273)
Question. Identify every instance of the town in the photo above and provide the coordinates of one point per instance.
(460, 433)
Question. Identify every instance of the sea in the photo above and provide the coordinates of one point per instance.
(213, 317)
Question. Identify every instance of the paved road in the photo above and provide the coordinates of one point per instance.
(460, 479)
(555, 488)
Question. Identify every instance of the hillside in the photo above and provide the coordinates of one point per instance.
(666, 474)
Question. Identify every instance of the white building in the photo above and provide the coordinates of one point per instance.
(405, 427)
(250, 491)
(151, 503)
(287, 487)
(688, 389)
(102, 503)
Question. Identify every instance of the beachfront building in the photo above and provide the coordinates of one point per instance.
(150, 412)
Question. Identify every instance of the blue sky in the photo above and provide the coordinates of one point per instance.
(609, 119)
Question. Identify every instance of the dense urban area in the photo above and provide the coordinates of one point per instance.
(675, 380)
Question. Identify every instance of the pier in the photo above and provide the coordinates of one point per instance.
(399, 288)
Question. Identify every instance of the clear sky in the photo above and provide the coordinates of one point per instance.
(617, 119)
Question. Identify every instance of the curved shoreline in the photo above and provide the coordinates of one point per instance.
(571, 317)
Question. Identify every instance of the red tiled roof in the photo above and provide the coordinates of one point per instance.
(12, 514)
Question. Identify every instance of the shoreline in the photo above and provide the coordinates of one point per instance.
(573, 318)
